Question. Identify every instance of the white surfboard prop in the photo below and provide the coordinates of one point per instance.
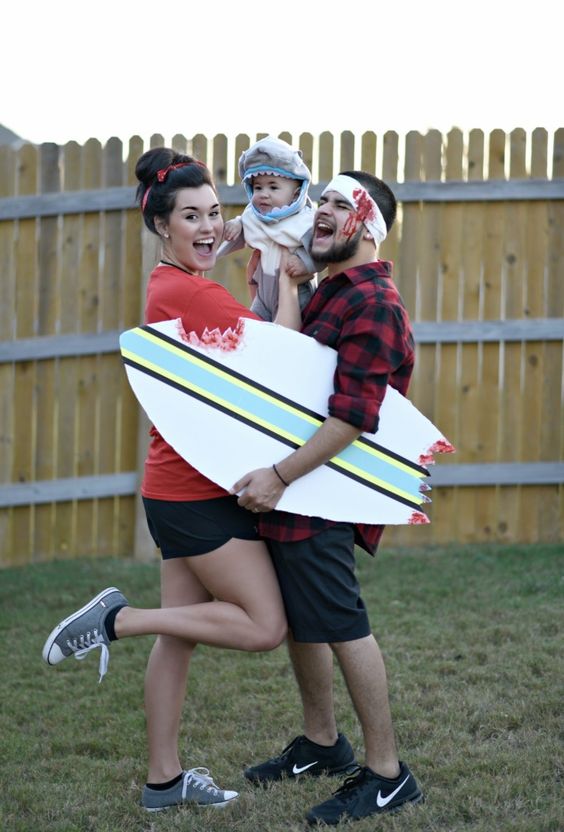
(232, 402)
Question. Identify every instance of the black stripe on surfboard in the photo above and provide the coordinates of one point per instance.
(272, 433)
(369, 443)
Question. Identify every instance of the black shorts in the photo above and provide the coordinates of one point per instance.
(181, 529)
(319, 586)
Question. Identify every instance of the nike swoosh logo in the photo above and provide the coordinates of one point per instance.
(299, 769)
(383, 801)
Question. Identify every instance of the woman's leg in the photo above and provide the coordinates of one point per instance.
(167, 670)
(247, 613)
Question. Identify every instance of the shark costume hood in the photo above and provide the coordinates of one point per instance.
(274, 156)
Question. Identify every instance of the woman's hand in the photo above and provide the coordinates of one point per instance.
(296, 269)
(232, 229)
(289, 313)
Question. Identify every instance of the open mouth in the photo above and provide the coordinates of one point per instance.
(204, 247)
(323, 231)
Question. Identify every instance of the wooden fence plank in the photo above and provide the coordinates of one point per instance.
(390, 246)
(428, 275)
(368, 150)
(493, 383)
(7, 330)
(551, 507)
(346, 156)
(426, 376)
(231, 270)
(488, 515)
(306, 146)
(88, 437)
(48, 314)
(405, 256)
(157, 140)
(23, 519)
(448, 411)
(411, 236)
(200, 148)
(514, 358)
(108, 366)
(325, 168)
(65, 527)
(534, 369)
(242, 143)
(555, 303)
(469, 389)
(220, 164)
(181, 144)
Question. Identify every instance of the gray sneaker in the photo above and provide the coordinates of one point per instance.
(84, 631)
(196, 786)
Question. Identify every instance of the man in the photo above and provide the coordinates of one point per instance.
(358, 311)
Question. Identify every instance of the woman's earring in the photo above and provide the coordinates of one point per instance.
(166, 235)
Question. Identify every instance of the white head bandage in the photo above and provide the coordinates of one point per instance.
(366, 209)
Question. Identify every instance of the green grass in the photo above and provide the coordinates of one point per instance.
(474, 656)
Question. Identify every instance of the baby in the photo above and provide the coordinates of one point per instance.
(277, 217)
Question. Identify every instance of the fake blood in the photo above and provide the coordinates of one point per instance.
(364, 211)
(226, 341)
(442, 446)
(418, 519)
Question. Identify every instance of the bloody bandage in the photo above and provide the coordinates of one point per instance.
(366, 210)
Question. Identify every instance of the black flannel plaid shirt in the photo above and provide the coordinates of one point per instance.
(360, 313)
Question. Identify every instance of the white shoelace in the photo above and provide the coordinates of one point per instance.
(92, 641)
(200, 777)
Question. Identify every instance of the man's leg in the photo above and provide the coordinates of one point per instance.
(313, 669)
(363, 668)
(302, 567)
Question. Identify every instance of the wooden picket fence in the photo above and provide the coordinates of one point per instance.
(478, 250)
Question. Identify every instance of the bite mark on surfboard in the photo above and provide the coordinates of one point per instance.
(418, 519)
(227, 341)
(441, 446)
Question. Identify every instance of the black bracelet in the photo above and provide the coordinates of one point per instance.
(277, 472)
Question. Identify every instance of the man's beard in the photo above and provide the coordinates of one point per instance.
(339, 252)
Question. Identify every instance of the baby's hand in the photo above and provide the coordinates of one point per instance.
(232, 229)
(295, 267)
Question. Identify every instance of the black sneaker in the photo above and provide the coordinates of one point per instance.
(303, 756)
(367, 794)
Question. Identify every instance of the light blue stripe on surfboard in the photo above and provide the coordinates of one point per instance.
(188, 368)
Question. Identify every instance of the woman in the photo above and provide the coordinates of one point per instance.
(218, 586)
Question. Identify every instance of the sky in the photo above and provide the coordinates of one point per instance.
(72, 70)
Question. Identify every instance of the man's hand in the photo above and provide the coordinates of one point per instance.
(259, 490)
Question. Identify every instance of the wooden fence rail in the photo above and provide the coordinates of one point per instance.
(478, 256)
